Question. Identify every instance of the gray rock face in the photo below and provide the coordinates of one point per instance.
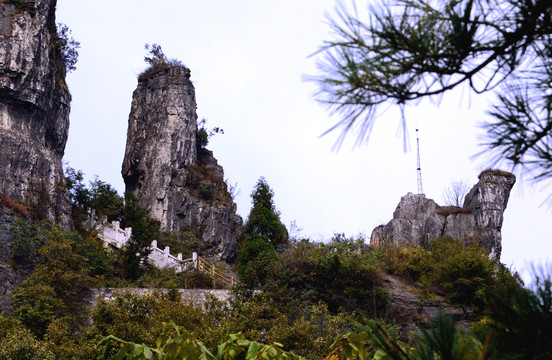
(179, 185)
(34, 121)
(412, 312)
(34, 109)
(417, 220)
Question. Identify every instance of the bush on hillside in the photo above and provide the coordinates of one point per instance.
(463, 273)
(67, 266)
(343, 279)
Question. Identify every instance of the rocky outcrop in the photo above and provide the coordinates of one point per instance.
(34, 109)
(180, 184)
(412, 312)
(417, 220)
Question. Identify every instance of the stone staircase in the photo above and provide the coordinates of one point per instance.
(222, 274)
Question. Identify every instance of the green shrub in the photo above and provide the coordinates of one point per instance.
(308, 273)
(202, 138)
(141, 318)
(98, 196)
(18, 343)
(67, 267)
(462, 273)
(66, 344)
(206, 190)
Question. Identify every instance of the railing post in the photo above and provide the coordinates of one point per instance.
(213, 274)
(195, 260)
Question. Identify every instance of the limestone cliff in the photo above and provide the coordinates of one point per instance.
(34, 109)
(34, 121)
(418, 220)
(179, 184)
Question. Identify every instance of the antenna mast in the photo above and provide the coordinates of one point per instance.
(419, 170)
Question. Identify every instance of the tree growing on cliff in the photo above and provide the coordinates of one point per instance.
(157, 61)
(203, 135)
(455, 193)
(98, 196)
(265, 234)
(68, 47)
(144, 231)
(156, 56)
(409, 50)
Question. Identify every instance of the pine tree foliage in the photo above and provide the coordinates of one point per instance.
(265, 234)
(264, 219)
(408, 50)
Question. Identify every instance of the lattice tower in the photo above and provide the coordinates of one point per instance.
(419, 169)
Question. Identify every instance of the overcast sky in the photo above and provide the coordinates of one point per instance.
(248, 59)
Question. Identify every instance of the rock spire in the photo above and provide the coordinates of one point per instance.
(179, 183)
(417, 220)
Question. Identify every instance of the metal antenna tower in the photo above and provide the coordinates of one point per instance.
(419, 170)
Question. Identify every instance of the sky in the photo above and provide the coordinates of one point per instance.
(248, 62)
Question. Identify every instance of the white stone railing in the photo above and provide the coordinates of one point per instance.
(163, 258)
(112, 234)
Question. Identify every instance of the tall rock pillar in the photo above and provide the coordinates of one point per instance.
(34, 109)
(161, 137)
(488, 200)
(179, 184)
